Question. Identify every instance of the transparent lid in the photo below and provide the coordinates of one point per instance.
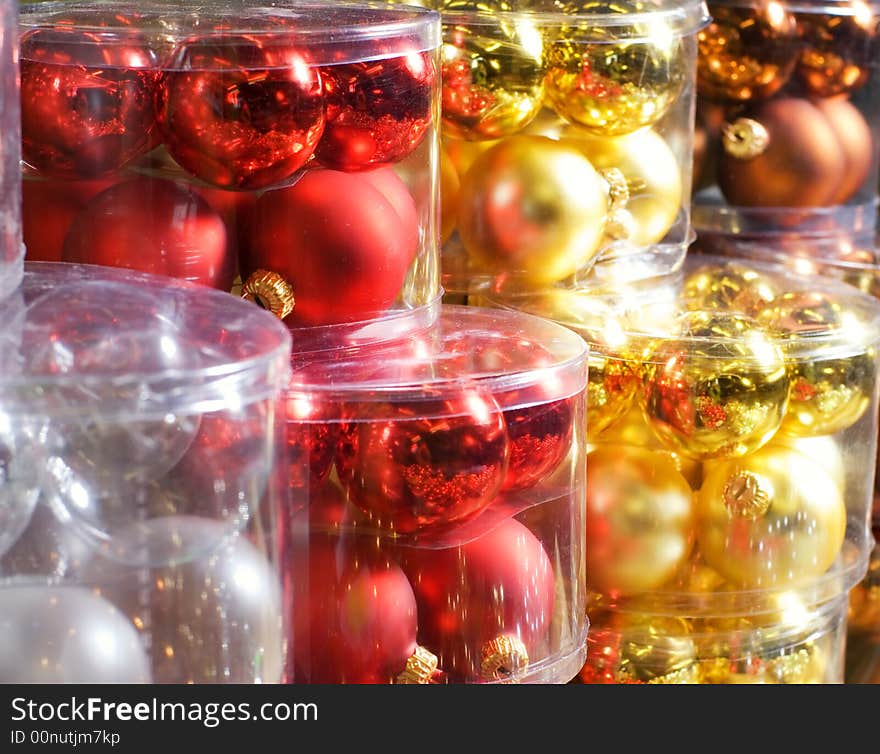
(504, 353)
(322, 33)
(91, 341)
(595, 20)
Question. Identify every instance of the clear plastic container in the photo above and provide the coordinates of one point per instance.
(863, 625)
(435, 529)
(11, 250)
(787, 117)
(788, 642)
(290, 146)
(567, 137)
(138, 479)
(733, 431)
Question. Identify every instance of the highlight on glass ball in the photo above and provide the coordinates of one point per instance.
(568, 127)
(788, 116)
(434, 531)
(286, 152)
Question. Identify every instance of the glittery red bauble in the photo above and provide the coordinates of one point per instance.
(336, 238)
(86, 100)
(426, 463)
(240, 111)
(378, 111)
(154, 226)
(311, 438)
(540, 437)
(353, 612)
(500, 584)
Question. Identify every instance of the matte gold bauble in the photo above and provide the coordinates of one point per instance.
(450, 185)
(639, 519)
(771, 520)
(533, 208)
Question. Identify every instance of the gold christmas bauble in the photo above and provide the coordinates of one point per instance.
(728, 287)
(450, 185)
(831, 384)
(771, 520)
(492, 69)
(533, 208)
(718, 390)
(639, 519)
(463, 153)
(655, 649)
(823, 450)
(612, 85)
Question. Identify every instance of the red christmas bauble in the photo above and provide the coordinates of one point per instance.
(86, 100)
(378, 111)
(484, 607)
(240, 111)
(354, 614)
(341, 244)
(540, 437)
(312, 435)
(422, 464)
(156, 226)
(390, 185)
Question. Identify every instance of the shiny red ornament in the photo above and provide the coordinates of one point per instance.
(353, 612)
(156, 226)
(429, 463)
(240, 111)
(86, 100)
(341, 244)
(540, 437)
(312, 435)
(378, 111)
(498, 585)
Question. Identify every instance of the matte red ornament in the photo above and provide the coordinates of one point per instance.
(429, 463)
(337, 240)
(157, 226)
(499, 586)
(378, 111)
(353, 612)
(240, 111)
(86, 100)
(540, 437)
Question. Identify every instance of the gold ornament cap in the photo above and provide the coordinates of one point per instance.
(420, 668)
(745, 138)
(618, 189)
(271, 291)
(745, 497)
(503, 658)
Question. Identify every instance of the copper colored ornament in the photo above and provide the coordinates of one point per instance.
(838, 51)
(430, 463)
(156, 226)
(854, 136)
(781, 153)
(86, 100)
(378, 111)
(342, 241)
(484, 607)
(747, 52)
(240, 111)
(540, 437)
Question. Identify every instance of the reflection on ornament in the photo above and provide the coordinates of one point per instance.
(639, 519)
(492, 70)
(837, 49)
(532, 207)
(612, 86)
(746, 52)
(728, 287)
(770, 520)
(719, 390)
(67, 634)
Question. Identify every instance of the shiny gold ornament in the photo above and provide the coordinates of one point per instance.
(532, 208)
(838, 50)
(656, 649)
(639, 519)
(492, 69)
(831, 388)
(651, 172)
(728, 287)
(770, 520)
(606, 83)
(719, 390)
(747, 52)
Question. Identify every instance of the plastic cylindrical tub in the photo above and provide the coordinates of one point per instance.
(138, 464)
(291, 144)
(787, 117)
(435, 529)
(567, 137)
(732, 433)
(863, 626)
(789, 643)
(11, 250)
